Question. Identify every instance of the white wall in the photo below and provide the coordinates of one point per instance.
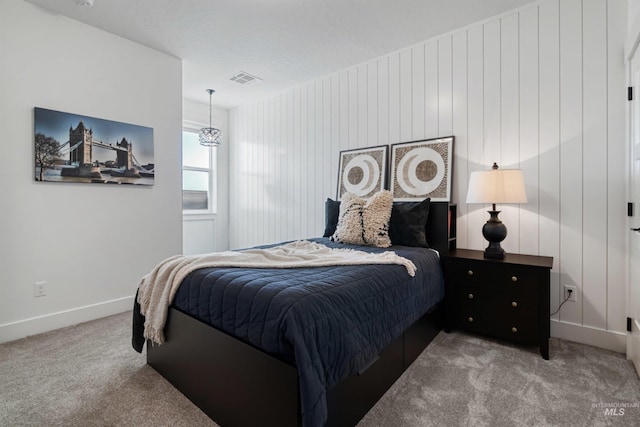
(634, 8)
(92, 243)
(541, 88)
(204, 233)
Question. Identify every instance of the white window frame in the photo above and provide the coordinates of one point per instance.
(198, 214)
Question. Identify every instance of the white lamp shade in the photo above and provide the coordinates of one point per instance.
(496, 186)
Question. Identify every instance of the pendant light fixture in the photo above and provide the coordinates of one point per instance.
(210, 137)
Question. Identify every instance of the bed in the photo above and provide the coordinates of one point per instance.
(307, 347)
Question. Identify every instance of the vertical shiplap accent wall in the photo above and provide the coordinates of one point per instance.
(541, 89)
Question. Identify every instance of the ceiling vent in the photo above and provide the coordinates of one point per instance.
(245, 79)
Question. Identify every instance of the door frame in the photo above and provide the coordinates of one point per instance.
(632, 45)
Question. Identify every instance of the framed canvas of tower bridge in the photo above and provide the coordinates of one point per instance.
(71, 147)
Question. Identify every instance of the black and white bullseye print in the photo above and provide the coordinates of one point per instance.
(361, 175)
(420, 171)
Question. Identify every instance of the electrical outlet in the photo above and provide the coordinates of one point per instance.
(40, 289)
(573, 295)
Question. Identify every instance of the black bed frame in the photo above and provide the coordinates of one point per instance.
(237, 384)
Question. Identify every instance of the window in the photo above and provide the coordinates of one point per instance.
(198, 175)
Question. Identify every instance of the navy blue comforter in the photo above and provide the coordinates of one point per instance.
(330, 321)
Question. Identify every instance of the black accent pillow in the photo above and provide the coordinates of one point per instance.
(331, 213)
(408, 222)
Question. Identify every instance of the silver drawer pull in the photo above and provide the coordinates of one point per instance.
(514, 304)
(514, 329)
(470, 319)
(514, 279)
(470, 272)
(470, 296)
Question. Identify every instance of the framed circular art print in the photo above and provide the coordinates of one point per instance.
(421, 169)
(362, 171)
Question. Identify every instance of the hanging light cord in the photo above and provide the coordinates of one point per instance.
(210, 93)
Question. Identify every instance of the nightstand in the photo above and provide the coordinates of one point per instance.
(507, 299)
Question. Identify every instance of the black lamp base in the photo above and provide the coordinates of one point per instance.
(494, 251)
(495, 232)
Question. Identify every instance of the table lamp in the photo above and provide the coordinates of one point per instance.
(496, 186)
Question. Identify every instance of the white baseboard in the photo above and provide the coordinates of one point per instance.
(37, 325)
(609, 340)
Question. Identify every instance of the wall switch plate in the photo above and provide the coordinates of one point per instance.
(40, 289)
(574, 293)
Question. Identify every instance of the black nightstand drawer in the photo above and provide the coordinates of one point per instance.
(474, 294)
(515, 304)
(471, 272)
(507, 299)
(525, 333)
(474, 321)
(496, 289)
(519, 279)
(520, 325)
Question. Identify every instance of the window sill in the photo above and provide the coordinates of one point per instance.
(197, 216)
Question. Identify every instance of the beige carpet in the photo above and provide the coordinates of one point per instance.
(88, 375)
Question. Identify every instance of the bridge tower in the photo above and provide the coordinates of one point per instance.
(83, 153)
(124, 158)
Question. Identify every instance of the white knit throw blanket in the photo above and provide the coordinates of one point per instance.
(157, 289)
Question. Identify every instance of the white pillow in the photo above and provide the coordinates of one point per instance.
(365, 222)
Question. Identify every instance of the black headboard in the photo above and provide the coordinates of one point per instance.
(438, 226)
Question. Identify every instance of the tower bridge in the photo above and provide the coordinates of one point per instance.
(80, 151)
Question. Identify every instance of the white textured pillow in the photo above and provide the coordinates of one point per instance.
(365, 222)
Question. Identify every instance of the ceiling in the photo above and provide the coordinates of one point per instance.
(283, 42)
